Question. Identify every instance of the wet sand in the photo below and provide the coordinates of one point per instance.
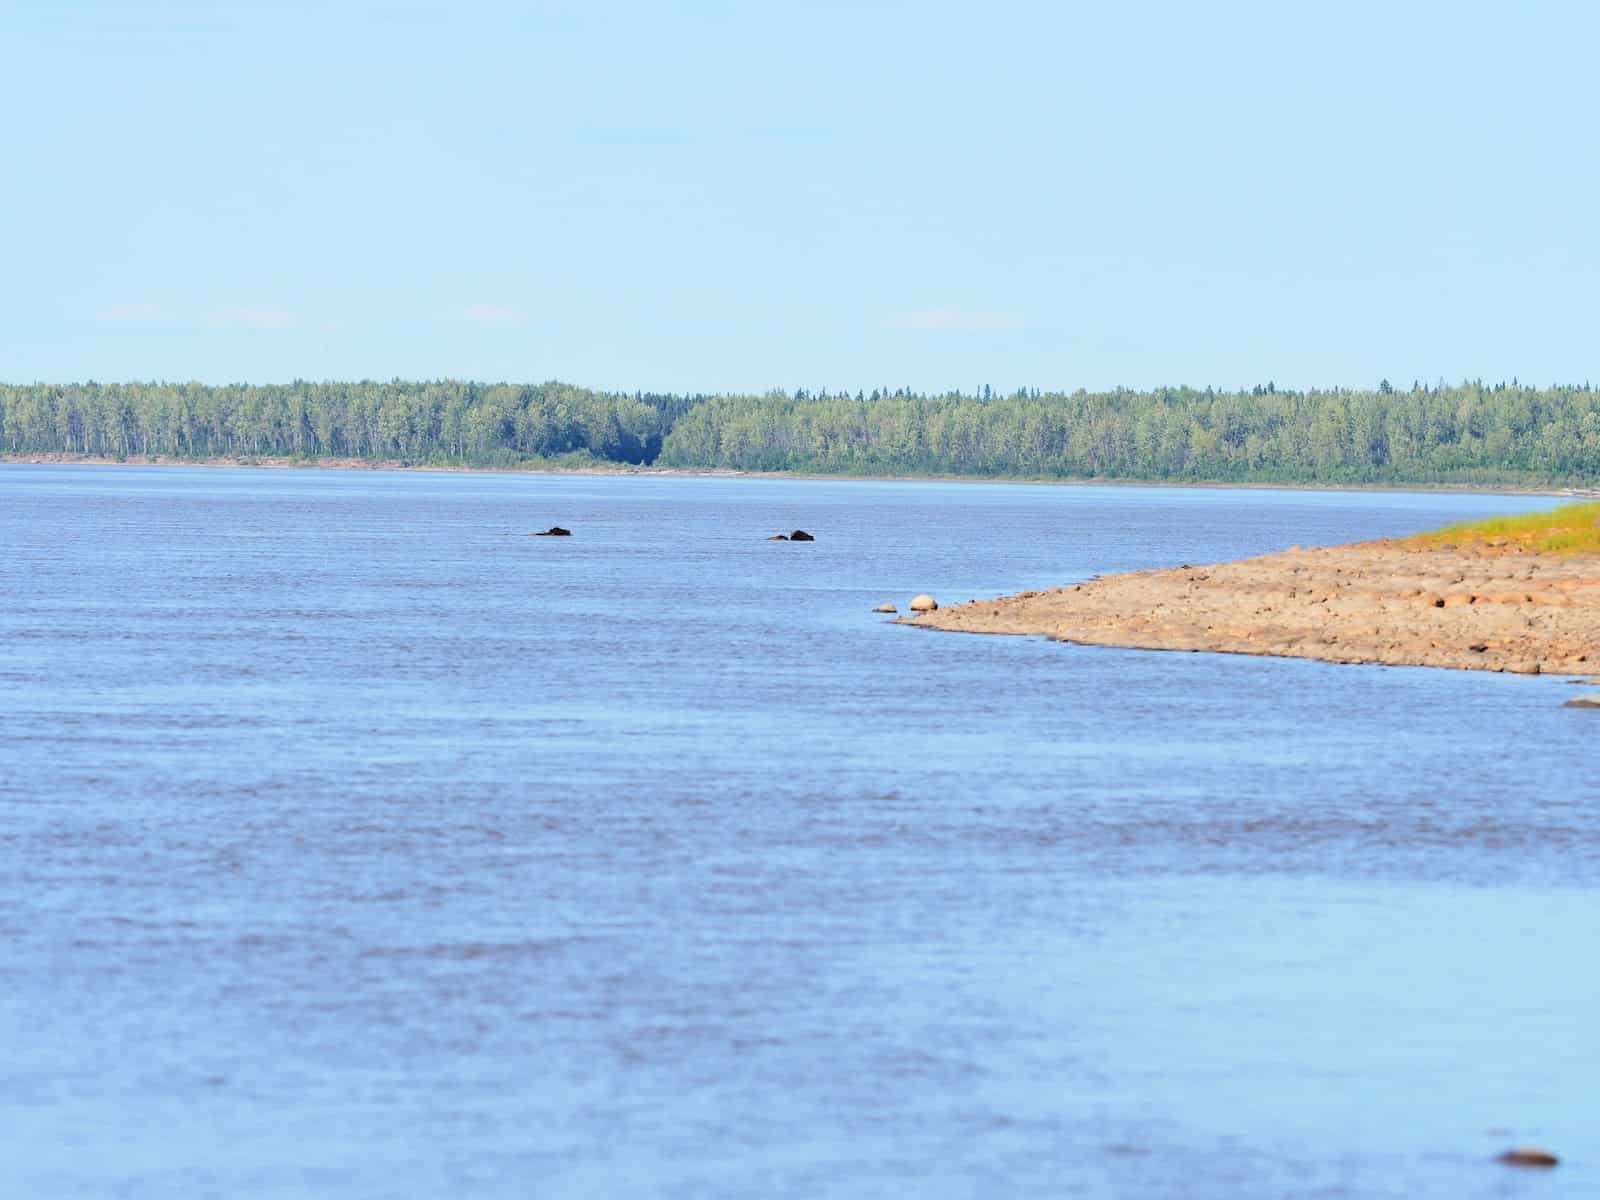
(1474, 607)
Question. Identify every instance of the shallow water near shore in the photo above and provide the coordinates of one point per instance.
(359, 845)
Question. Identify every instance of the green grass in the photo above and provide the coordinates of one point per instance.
(1570, 529)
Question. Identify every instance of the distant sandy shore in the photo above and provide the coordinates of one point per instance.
(275, 462)
(364, 464)
(1392, 602)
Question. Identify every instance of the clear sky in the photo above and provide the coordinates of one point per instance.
(736, 196)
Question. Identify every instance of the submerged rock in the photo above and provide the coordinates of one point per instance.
(800, 535)
(923, 603)
(1592, 701)
(1528, 1156)
(554, 531)
(886, 608)
(779, 537)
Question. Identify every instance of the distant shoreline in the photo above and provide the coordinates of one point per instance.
(269, 462)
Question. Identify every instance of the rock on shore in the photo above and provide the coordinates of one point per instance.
(1390, 602)
(1529, 1156)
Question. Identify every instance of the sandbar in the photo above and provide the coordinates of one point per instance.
(1395, 602)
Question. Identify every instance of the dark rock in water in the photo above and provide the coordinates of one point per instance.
(554, 531)
(779, 537)
(1528, 1156)
(1584, 702)
(800, 535)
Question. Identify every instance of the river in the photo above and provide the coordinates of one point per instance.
(358, 844)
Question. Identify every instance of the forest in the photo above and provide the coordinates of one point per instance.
(1463, 433)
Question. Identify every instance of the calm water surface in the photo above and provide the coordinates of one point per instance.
(356, 844)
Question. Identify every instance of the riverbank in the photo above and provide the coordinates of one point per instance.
(281, 462)
(1467, 603)
(598, 468)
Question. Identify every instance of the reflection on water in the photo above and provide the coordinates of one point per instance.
(361, 845)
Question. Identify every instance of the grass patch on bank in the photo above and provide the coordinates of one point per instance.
(1570, 529)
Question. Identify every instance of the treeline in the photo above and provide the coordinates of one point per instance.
(1472, 432)
(444, 422)
(1468, 433)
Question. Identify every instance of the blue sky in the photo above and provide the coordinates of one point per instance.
(731, 196)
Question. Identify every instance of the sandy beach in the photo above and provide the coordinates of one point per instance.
(1401, 603)
(555, 467)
